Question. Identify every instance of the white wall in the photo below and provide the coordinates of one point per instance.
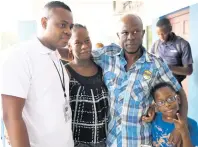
(97, 16)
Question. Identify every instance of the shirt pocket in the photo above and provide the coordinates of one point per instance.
(172, 56)
(172, 53)
(141, 91)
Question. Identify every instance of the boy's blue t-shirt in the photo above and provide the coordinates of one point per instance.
(161, 131)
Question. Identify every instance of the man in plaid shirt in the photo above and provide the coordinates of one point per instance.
(130, 72)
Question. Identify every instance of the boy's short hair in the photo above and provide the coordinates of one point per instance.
(161, 85)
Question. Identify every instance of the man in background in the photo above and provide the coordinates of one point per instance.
(174, 50)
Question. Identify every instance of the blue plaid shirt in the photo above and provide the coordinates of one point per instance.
(130, 95)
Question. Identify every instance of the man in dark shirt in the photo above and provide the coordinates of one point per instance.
(174, 50)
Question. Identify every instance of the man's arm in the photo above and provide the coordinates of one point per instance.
(183, 111)
(102, 55)
(97, 54)
(12, 116)
(187, 61)
(182, 70)
(15, 77)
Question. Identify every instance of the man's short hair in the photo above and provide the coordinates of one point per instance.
(56, 4)
(163, 22)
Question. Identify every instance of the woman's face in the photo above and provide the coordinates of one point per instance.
(80, 44)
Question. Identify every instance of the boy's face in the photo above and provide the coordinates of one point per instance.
(167, 102)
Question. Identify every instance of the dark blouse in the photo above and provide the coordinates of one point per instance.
(89, 104)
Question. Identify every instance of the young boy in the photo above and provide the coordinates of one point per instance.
(167, 119)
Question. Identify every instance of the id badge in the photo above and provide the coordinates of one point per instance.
(67, 111)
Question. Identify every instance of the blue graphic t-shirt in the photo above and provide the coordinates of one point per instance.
(161, 131)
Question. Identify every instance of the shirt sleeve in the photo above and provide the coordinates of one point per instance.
(15, 76)
(152, 48)
(100, 56)
(193, 129)
(187, 55)
(165, 75)
(153, 131)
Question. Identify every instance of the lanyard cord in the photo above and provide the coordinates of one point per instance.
(61, 80)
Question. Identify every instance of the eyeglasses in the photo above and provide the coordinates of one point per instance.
(169, 101)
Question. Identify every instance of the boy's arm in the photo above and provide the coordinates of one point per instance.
(186, 142)
(182, 127)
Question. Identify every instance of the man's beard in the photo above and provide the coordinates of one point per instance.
(134, 51)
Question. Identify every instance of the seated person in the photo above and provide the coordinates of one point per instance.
(167, 102)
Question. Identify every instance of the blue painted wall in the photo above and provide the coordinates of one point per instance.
(193, 79)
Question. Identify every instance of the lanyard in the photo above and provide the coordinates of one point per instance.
(61, 80)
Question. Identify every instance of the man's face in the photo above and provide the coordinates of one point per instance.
(131, 34)
(163, 33)
(81, 44)
(58, 27)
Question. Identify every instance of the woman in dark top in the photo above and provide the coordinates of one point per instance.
(88, 93)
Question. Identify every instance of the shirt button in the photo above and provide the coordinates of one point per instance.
(119, 121)
(119, 128)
